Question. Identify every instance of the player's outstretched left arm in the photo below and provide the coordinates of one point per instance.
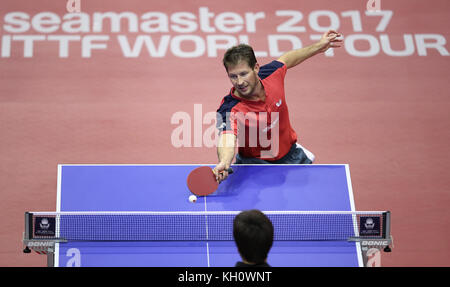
(294, 57)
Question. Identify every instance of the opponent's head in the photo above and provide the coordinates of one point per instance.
(253, 234)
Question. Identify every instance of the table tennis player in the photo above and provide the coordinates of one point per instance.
(255, 114)
(253, 235)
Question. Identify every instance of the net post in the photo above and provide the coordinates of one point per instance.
(386, 224)
(28, 234)
(36, 243)
(28, 226)
(387, 229)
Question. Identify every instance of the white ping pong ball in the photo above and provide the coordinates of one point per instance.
(192, 198)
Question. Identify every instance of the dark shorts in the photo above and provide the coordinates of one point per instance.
(296, 155)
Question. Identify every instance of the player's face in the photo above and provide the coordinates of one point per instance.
(244, 78)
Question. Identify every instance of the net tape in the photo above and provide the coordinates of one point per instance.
(193, 226)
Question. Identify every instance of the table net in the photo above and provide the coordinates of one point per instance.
(193, 226)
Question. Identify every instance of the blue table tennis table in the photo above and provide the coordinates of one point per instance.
(163, 188)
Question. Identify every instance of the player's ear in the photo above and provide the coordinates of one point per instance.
(256, 68)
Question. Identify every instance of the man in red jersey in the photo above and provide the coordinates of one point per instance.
(254, 113)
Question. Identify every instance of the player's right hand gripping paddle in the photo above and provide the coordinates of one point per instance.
(202, 181)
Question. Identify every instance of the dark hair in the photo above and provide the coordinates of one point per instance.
(242, 52)
(253, 234)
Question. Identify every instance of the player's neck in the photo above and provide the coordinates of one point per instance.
(251, 263)
(260, 93)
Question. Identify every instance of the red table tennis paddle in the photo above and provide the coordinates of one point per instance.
(202, 181)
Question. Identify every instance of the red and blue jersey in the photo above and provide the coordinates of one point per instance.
(263, 128)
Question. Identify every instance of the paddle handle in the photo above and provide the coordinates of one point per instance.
(230, 170)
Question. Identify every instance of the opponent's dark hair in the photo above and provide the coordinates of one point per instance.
(253, 234)
(241, 52)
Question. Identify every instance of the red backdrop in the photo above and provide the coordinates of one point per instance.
(78, 89)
